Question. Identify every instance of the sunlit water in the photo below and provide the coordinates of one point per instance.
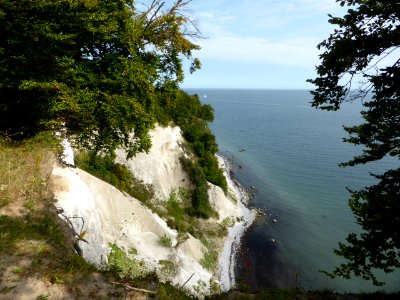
(291, 161)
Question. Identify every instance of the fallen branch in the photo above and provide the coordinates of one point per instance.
(133, 288)
(60, 211)
(187, 281)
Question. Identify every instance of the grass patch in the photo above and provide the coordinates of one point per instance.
(30, 204)
(210, 258)
(167, 291)
(76, 263)
(166, 264)
(114, 173)
(25, 168)
(121, 266)
(15, 234)
(228, 222)
(278, 294)
(30, 229)
(18, 270)
(177, 215)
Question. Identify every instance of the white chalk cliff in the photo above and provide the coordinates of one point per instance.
(104, 215)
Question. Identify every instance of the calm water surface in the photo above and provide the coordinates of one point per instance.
(291, 160)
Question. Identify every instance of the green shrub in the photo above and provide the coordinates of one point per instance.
(209, 260)
(166, 241)
(174, 208)
(133, 251)
(121, 266)
(200, 204)
(213, 172)
(179, 212)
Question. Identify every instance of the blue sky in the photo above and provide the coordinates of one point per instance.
(259, 43)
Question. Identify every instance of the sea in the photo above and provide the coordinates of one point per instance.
(286, 154)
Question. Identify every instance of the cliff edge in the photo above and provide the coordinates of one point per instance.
(106, 220)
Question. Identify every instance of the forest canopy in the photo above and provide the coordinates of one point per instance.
(96, 68)
(104, 73)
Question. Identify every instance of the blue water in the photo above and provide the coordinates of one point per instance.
(291, 160)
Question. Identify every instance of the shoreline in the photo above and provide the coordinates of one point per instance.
(228, 257)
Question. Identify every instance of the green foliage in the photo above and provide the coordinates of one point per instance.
(121, 266)
(104, 71)
(116, 174)
(133, 251)
(200, 203)
(213, 172)
(167, 291)
(209, 260)
(177, 215)
(166, 241)
(365, 35)
(174, 208)
(167, 264)
(187, 112)
(91, 66)
(77, 263)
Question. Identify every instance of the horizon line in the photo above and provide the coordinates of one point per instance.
(245, 88)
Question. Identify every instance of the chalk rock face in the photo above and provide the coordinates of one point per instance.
(225, 207)
(193, 247)
(103, 215)
(160, 167)
(77, 201)
(108, 216)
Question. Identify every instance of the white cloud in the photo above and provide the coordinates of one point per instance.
(264, 12)
(263, 31)
(265, 37)
(293, 52)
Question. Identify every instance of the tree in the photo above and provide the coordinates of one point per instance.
(90, 66)
(365, 47)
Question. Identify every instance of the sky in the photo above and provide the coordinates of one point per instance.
(265, 44)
